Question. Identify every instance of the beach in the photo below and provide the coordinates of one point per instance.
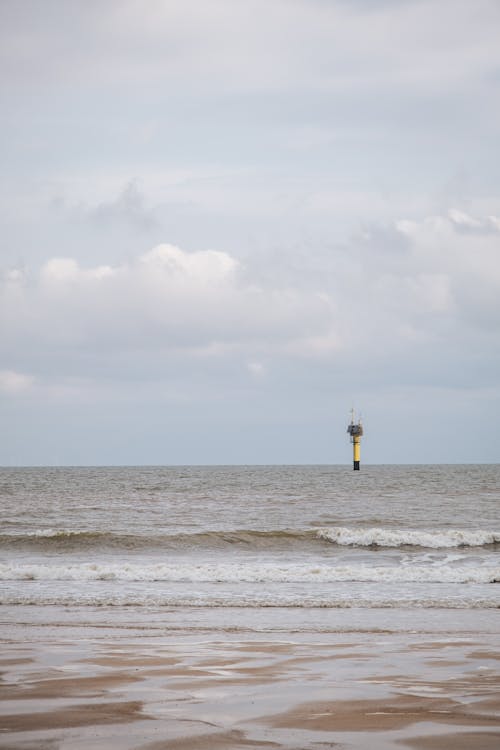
(77, 685)
(277, 607)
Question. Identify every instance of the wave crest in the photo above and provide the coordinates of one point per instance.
(385, 537)
(248, 573)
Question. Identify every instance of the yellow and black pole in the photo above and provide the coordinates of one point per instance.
(355, 430)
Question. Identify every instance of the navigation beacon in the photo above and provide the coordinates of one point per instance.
(355, 430)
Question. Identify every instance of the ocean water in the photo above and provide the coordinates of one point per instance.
(159, 544)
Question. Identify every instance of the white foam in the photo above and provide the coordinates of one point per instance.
(249, 573)
(385, 537)
(53, 533)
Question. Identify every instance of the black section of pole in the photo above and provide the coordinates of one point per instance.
(355, 465)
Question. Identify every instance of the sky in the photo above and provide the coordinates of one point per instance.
(224, 224)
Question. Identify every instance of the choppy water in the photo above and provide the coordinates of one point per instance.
(251, 537)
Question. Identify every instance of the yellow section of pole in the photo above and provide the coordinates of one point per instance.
(356, 449)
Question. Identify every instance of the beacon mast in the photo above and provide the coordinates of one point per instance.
(355, 430)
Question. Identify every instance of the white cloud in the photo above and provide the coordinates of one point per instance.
(257, 369)
(469, 260)
(64, 271)
(462, 219)
(414, 305)
(166, 299)
(12, 382)
(203, 268)
(439, 243)
(400, 292)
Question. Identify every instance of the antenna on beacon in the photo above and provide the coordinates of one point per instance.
(355, 430)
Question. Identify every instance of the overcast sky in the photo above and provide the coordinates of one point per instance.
(226, 222)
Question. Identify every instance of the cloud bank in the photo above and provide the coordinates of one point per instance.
(395, 295)
(166, 300)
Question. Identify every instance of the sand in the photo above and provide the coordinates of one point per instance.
(280, 691)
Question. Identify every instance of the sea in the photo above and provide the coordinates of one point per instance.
(251, 548)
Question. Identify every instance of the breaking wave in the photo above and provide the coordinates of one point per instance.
(385, 537)
(46, 539)
(248, 573)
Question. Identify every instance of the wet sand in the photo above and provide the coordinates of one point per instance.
(288, 691)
